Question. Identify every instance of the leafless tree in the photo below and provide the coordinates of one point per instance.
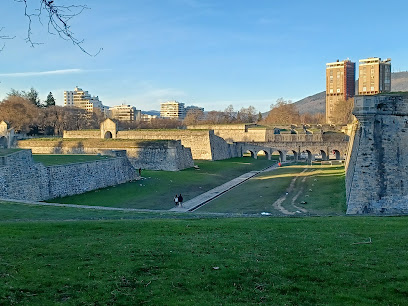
(57, 17)
(283, 112)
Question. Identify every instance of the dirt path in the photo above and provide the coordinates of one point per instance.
(278, 203)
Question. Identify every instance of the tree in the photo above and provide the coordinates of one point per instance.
(57, 17)
(283, 112)
(193, 117)
(50, 101)
(247, 115)
(342, 112)
(31, 95)
(259, 117)
(229, 114)
(20, 113)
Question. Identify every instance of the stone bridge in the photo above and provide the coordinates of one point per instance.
(296, 149)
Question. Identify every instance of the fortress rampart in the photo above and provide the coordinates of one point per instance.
(203, 144)
(377, 175)
(167, 155)
(254, 133)
(23, 179)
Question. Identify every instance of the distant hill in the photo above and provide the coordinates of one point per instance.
(312, 104)
(152, 112)
(317, 103)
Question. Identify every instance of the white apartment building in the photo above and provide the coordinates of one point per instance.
(82, 99)
(147, 117)
(125, 113)
(172, 110)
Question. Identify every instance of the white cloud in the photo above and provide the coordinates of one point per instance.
(42, 73)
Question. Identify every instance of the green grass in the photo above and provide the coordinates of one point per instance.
(4, 152)
(158, 188)
(61, 159)
(271, 261)
(322, 187)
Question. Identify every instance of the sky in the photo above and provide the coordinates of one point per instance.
(209, 53)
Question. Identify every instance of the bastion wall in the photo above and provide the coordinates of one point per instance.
(203, 144)
(254, 133)
(168, 155)
(23, 179)
(377, 175)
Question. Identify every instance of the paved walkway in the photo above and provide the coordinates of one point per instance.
(188, 206)
(208, 196)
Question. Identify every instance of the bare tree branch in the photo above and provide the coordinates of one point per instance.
(2, 37)
(58, 18)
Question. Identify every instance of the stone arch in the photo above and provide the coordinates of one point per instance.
(262, 153)
(282, 155)
(253, 155)
(323, 154)
(3, 142)
(108, 126)
(307, 154)
(292, 155)
(336, 154)
(108, 135)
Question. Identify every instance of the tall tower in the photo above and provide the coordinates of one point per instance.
(374, 76)
(340, 85)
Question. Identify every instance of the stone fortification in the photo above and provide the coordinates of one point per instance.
(202, 143)
(237, 132)
(254, 133)
(197, 141)
(82, 134)
(23, 179)
(153, 155)
(377, 175)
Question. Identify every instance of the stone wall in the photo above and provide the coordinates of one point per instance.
(378, 180)
(21, 178)
(221, 149)
(197, 141)
(167, 155)
(237, 132)
(82, 134)
(254, 133)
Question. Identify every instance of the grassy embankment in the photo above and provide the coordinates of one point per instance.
(320, 188)
(158, 188)
(4, 152)
(274, 261)
(60, 159)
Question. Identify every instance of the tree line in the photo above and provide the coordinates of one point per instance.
(26, 113)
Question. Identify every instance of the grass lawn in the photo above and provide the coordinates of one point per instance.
(4, 152)
(322, 187)
(228, 261)
(158, 188)
(61, 159)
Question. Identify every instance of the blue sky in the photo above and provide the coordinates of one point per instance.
(201, 52)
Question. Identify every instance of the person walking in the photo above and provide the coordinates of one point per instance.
(176, 200)
(180, 200)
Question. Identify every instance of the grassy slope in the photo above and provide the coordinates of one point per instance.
(274, 261)
(60, 159)
(4, 152)
(327, 195)
(158, 188)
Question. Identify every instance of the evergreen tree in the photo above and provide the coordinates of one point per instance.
(50, 100)
(32, 96)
